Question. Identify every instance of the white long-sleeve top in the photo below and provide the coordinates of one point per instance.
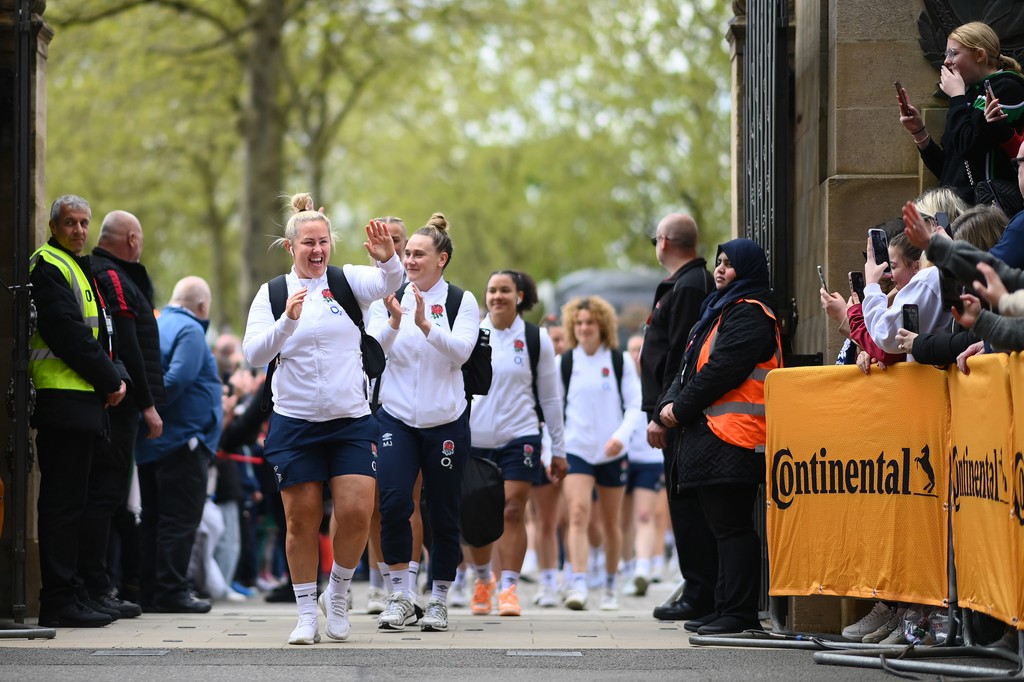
(422, 384)
(883, 322)
(321, 372)
(593, 412)
(640, 451)
(507, 411)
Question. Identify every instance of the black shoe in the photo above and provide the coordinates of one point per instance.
(282, 593)
(730, 625)
(695, 624)
(125, 609)
(74, 615)
(97, 606)
(183, 604)
(678, 610)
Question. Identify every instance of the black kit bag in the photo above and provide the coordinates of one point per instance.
(483, 502)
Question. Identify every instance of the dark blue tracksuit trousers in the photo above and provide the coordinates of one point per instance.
(441, 452)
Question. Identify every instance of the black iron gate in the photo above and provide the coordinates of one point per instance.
(765, 190)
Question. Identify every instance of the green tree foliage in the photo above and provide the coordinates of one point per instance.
(553, 135)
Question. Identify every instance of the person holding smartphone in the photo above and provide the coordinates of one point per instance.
(914, 284)
(970, 151)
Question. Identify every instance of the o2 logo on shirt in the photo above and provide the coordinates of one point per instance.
(332, 305)
(447, 452)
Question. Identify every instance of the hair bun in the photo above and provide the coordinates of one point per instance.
(302, 202)
(437, 220)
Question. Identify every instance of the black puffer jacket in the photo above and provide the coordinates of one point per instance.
(746, 337)
(128, 293)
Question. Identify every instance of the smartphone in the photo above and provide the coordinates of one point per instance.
(988, 91)
(942, 218)
(904, 104)
(911, 319)
(857, 284)
(821, 278)
(880, 245)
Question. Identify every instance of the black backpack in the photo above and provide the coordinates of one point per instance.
(373, 354)
(617, 361)
(477, 371)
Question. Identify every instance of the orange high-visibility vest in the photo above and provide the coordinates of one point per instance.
(738, 416)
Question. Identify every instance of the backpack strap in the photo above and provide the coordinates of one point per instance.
(566, 375)
(452, 303)
(277, 289)
(533, 350)
(342, 291)
(617, 361)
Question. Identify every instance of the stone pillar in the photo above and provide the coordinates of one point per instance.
(42, 34)
(855, 164)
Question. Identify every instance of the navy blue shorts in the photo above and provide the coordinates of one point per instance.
(646, 475)
(613, 474)
(302, 451)
(519, 459)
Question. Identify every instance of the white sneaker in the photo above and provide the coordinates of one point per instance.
(435, 617)
(878, 617)
(896, 637)
(546, 597)
(398, 613)
(886, 628)
(231, 595)
(457, 596)
(375, 601)
(576, 600)
(641, 582)
(609, 601)
(306, 632)
(336, 611)
(629, 589)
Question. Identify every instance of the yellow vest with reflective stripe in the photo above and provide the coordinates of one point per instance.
(49, 371)
(738, 416)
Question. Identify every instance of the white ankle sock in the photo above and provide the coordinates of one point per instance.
(305, 597)
(341, 578)
(439, 590)
(508, 579)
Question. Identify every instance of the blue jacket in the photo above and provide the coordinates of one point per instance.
(192, 386)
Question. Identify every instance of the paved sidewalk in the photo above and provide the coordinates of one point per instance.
(255, 624)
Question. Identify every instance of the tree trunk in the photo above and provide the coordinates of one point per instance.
(263, 129)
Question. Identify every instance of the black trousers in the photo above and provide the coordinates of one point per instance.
(729, 510)
(65, 466)
(109, 481)
(173, 494)
(696, 546)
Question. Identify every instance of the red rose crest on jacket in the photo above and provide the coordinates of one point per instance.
(518, 345)
(436, 310)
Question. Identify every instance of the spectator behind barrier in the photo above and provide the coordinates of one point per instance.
(982, 227)
(970, 152)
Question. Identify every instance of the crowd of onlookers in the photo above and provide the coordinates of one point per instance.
(937, 280)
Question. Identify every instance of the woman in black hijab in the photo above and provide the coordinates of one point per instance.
(717, 402)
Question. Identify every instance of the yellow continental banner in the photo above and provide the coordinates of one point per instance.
(987, 574)
(1017, 485)
(857, 482)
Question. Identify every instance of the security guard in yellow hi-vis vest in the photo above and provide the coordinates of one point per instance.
(717, 402)
(76, 378)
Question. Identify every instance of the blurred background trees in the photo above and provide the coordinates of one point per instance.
(552, 134)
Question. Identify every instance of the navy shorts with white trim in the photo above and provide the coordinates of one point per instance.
(302, 451)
